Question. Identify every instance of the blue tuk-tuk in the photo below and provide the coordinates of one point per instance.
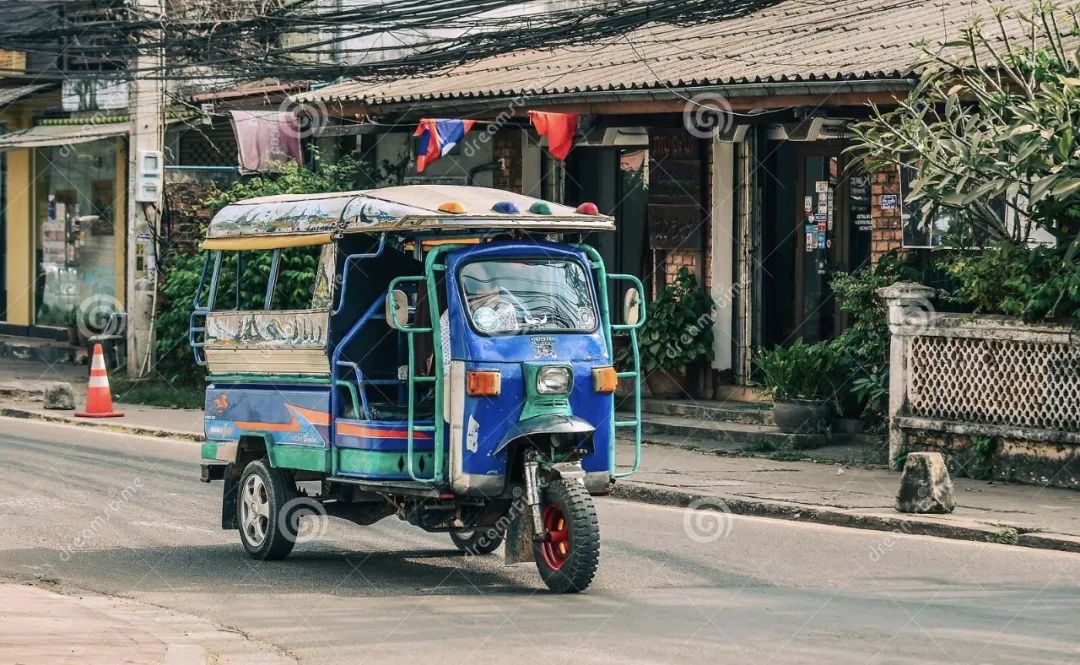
(453, 367)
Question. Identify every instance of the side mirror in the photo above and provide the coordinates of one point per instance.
(631, 307)
(397, 309)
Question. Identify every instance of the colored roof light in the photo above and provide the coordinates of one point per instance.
(588, 208)
(452, 207)
(505, 207)
(540, 208)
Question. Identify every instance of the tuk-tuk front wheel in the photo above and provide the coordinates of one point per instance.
(263, 496)
(567, 557)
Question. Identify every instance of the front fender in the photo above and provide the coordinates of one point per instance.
(545, 424)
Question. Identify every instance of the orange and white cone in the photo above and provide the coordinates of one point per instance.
(98, 396)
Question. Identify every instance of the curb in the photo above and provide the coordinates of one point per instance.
(1003, 534)
(123, 428)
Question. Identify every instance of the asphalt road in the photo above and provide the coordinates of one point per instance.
(126, 516)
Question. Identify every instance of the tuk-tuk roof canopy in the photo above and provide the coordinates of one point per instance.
(304, 219)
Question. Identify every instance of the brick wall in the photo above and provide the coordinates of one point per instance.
(886, 233)
(188, 214)
(675, 259)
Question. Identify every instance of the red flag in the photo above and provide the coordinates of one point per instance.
(559, 128)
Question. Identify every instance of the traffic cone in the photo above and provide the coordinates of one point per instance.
(98, 395)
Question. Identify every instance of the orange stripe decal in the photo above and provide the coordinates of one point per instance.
(352, 429)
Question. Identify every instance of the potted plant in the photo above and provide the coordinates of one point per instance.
(798, 378)
(677, 334)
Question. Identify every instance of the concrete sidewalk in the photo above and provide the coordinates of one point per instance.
(838, 494)
(40, 626)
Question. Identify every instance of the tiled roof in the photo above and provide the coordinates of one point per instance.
(793, 40)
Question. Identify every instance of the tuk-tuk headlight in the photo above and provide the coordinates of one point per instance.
(554, 380)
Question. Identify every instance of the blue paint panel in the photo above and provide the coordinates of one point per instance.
(496, 415)
(232, 410)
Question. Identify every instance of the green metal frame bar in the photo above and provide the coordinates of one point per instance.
(603, 279)
(431, 266)
(353, 394)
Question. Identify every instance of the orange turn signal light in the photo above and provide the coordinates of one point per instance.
(483, 383)
(452, 207)
(604, 379)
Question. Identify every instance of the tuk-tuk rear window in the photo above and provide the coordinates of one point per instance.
(513, 296)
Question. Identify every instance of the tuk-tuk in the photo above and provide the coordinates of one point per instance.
(454, 368)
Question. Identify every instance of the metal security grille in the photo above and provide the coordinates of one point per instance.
(1008, 382)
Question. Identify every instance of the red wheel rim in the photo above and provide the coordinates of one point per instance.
(556, 550)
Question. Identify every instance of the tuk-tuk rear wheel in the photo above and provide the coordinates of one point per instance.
(483, 540)
(265, 495)
(567, 558)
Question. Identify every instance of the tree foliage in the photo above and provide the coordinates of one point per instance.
(991, 123)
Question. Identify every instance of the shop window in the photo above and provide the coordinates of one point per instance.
(75, 231)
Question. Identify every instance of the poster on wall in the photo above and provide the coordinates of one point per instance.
(859, 201)
(919, 233)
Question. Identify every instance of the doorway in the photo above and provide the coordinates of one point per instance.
(817, 223)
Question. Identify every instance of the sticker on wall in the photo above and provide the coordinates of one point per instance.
(808, 204)
(888, 201)
(810, 241)
(821, 239)
(821, 186)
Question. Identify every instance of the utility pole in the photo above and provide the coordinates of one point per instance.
(144, 209)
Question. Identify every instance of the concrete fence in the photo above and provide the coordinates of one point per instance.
(1000, 397)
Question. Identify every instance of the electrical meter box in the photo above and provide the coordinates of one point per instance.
(149, 176)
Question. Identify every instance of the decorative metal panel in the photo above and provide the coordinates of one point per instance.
(997, 381)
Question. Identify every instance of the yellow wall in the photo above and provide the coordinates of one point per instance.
(19, 270)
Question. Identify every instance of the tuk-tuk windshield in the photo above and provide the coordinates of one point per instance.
(512, 296)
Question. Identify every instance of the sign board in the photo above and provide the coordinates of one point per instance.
(676, 176)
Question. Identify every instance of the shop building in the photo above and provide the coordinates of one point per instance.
(719, 147)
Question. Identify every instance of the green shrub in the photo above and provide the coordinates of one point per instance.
(1030, 283)
(678, 329)
(797, 371)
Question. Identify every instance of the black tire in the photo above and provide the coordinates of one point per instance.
(568, 565)
(278, 530)
(483, 540)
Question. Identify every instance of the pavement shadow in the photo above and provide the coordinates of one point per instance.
(315, 569)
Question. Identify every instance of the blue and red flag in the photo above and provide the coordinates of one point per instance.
(438, 137)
